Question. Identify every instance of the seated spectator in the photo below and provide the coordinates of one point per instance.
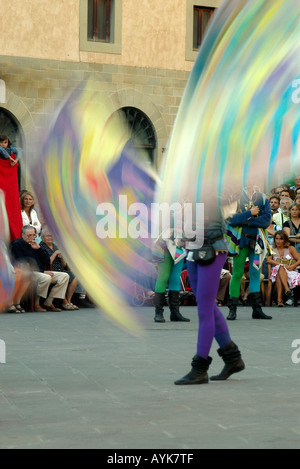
(274, 203)
(244, 292)
(29, 214)
(292, 226)
(7, 151)
(26, 249)
(297, 183)
(223, 291)
(287, 193)
(284, 262)
(272, 192)
(59, 265)
(278, 190)
(283, 215)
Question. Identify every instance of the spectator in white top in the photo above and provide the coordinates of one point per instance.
(29, 214)
(283, 216)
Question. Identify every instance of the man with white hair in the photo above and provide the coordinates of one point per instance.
(26, 249)
(283, 215)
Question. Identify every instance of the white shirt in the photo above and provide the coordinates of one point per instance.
(34, 220)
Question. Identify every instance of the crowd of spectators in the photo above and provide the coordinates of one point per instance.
(55, 286)
(43, 280)
(285, 206)
(285, 222)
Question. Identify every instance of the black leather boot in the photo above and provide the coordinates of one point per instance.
(232, 305)
(255, 302)
(233, 362)
(198, 373)
(174, 307)
(159, 301)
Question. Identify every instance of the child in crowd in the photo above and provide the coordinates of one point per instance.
(7, 151)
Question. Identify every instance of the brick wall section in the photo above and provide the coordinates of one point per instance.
(35, 88)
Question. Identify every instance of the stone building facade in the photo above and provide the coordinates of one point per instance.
(144, 67)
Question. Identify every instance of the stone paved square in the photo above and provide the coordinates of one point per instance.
(75, 380)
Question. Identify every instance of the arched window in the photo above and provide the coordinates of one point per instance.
(141, 130)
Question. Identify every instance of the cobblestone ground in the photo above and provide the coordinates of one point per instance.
(75, 380)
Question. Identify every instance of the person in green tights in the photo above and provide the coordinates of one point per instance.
(254, 212)
(168, 272)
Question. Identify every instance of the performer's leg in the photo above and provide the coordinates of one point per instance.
(254, 288)
(222, 334)
(254, 275)
(228, 350)
(204, 281)
(163, 273)
(174, 277)
(235, 284)
(238, 267)
(174, 287)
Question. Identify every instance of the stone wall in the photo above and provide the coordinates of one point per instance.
(36, 87)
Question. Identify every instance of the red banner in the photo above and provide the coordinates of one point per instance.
(9, 185)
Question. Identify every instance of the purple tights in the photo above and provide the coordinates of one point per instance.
(204, 281)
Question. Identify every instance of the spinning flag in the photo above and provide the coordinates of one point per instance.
(239, 118)
(89, 185)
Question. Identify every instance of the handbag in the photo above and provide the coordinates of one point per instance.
(290, 261)
(204, 255)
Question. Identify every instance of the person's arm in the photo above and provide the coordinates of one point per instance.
(15, 150)
(241, 218)
(296, 256)
(12, 161)
(292, 238)
(5, 155)
(271, 261)
(43, 256)
(48, 258)
(262, 220)
(63, 262)
(35, 221)
(54, 255)
(270, 230)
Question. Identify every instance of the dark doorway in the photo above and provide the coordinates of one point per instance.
(141, 130)
(11, 127)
